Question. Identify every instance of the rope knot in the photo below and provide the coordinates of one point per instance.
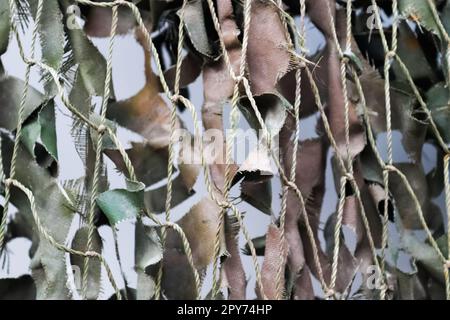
(101, 129)
(30, 62)
(238, 79)
(291, 185)
(174, 98)
(8, 182)
(91, 254)
(345, 59)
(390, 167)
(447, 157)
(224, 205)
(330, 293)
(390, 54)
(349, 177)
(170, 224)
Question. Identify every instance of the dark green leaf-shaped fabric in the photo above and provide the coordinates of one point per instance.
(42, 129)
(4, 26)
(10, 96)
(438, 100)
(56, 212)
(148, 252)
(122, 204)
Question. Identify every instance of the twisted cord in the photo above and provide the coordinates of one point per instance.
(234, 120)
(447, 203)
(288, 182)
(20, 113)
(170, 163)
(387, 91)
(98, 150)
(47, 236)
(297, 103)
(222, 204)
(349, 168)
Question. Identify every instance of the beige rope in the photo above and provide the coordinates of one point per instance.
(44, 233)
(170, 162)
(98, 149)
(13, 9)
(288, 181)
(447, 202)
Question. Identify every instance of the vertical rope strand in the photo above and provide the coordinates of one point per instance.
(447, 203)
(170, 163)
(288, 181)
(98, 149)
(20, 114)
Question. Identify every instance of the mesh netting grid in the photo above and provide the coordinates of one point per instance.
(254, 60)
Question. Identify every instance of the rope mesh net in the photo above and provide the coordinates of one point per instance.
(337, 117)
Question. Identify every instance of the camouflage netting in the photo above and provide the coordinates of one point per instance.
(379, 88)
